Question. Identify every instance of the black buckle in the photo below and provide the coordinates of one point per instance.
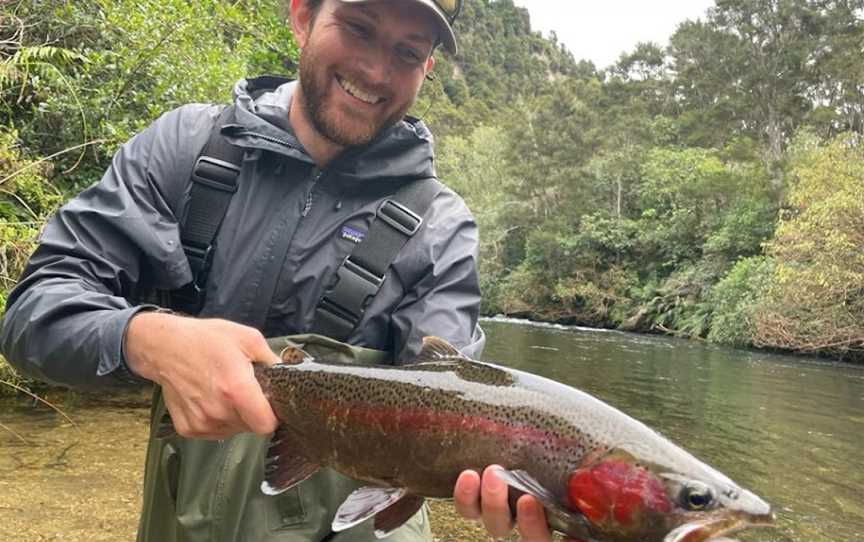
(354, 286)
(216, 173)
(401, 218)
(190, 297)
(200, 259)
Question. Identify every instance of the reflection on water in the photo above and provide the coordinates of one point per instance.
(790, 429)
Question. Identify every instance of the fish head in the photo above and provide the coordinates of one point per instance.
(623, 500)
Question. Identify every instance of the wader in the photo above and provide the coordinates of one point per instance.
(205, 491)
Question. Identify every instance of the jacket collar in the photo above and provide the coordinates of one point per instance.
(401, 152)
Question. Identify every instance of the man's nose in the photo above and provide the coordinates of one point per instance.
(375, 65)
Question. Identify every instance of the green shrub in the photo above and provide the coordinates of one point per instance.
(735, 300)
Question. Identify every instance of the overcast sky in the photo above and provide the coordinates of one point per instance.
(600, 30)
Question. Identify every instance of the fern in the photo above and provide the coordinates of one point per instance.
(41, 60)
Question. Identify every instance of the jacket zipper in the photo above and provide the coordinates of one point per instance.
(267, 138)
(309, 198)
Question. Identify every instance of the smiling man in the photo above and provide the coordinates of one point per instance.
(308, 209)
(361, 67)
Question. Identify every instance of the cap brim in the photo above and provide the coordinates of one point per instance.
(446, 35)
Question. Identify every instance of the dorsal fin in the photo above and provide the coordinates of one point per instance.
(440, 355)
(437, 349)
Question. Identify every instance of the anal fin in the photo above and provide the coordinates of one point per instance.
(364, 503)
(284, 467)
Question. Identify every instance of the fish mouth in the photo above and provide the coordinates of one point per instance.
(715, 529)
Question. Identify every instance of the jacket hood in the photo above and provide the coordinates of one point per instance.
(401, 152)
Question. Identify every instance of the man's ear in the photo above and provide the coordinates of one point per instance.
(301, 21)
(430, 63)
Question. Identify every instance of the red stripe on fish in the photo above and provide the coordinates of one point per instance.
(392, 420)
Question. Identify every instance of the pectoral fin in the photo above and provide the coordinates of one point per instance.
(566, 521)
(364, 503)
(284, 467)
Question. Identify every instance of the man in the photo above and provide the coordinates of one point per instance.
(321, 157)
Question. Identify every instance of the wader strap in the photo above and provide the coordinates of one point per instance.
(214, 181)
(362, 273)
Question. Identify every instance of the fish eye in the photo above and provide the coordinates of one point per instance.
(696, 496)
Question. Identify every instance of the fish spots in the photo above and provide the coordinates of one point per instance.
(618, 495)
(397, 419)
(344, 400)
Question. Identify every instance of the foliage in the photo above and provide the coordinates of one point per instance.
(26, 200)
(476, 168)
(120, 63)
(574, 278)
(815, 301)
(665, 193)
(736, 300)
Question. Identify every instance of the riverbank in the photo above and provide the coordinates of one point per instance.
(539, 320)
(82, 483)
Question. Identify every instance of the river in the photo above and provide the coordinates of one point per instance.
(790, 429)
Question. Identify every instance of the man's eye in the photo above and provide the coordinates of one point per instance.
(357, 29)
(409, 55)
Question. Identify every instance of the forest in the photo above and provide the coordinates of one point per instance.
(709, 187)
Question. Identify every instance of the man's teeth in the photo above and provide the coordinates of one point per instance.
(356, 92)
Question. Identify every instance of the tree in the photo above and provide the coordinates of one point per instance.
(838, 94)
(750, 68)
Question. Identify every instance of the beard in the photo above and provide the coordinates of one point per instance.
(341, 127)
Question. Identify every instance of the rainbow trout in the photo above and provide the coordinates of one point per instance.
(408, 431)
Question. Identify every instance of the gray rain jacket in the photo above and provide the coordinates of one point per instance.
(282, 239)
(280, 243)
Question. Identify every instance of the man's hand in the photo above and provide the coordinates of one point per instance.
(205, 370)
(486, 500)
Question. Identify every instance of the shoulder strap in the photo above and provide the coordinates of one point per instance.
(362, 273)
(214, 181)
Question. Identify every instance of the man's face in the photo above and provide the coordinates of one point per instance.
(362, 65)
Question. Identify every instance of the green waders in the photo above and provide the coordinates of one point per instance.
(205, 491)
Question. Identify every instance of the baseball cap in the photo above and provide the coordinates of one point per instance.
(445, 12)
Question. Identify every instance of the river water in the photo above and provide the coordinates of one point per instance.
(790, 429)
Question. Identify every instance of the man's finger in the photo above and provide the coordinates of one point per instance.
(531, 520)
(253, 408)
(466, 495)
(266, 356)
(257, 349)
(493, 502)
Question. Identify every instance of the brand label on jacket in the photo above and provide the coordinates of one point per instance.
(352, 234)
